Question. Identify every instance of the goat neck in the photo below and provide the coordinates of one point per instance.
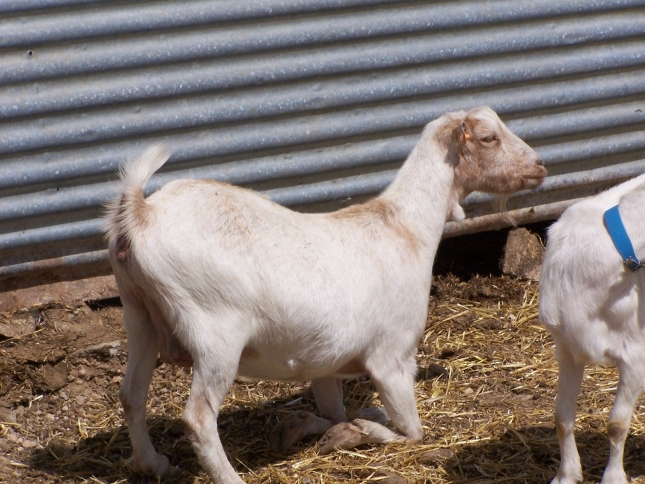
(631, 207)
(423, 192)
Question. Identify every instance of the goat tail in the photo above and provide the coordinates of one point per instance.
(127, 211)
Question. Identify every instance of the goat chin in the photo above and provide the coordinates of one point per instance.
(221, 277)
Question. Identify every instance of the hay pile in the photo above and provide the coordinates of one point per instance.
(485, 393)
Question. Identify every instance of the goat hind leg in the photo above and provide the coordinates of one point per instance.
(328, 393)
(629, 389)
(143, 348)
(216, 360)
(200, 421)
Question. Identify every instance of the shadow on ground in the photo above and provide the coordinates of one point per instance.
(527, 455)
(243, 430)
(105, 455)
(531, 455)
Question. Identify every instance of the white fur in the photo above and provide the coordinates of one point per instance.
(592, 306)
(239, 283)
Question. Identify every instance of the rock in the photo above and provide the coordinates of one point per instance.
(436, 456)
(106, 350)
(491, 350)
(11, 435)
(52, 377)
(17, 326)
(80, 400)
(523, 255)
(433, 370)
(392, 478)
(7, 415)
(436, 370)
(29, 444)
(490, 323)
(447, 353)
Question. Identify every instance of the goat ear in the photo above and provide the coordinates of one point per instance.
(463, 133)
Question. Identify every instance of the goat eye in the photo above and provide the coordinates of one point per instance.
(488, 139)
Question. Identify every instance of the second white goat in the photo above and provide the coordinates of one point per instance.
(592, 306)
(221, 278)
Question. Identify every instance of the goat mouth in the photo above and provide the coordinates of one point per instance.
(533, 181)
(535, 175)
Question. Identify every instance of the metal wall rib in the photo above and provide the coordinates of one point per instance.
(312, 101)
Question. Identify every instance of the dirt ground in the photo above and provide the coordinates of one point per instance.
(485, 393)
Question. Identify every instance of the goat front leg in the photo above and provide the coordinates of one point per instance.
(395, 385)
(328, 393)
(570, 374)
(629, 389)
(143, 348)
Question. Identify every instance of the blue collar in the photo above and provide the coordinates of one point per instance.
(619, 237)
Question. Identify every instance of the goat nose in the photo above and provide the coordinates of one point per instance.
(539, 161)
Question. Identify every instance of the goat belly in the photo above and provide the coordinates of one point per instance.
(270, 366)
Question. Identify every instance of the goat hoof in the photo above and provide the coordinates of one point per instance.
(160, 466)
(344, 435)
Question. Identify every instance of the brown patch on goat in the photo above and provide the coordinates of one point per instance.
(450, 134)
(193, 419)
(122, 242)
(560, 428)
(250, 352)
(127, 407)
(384, 213)
(174, 352)
(122, 247)
(135, 205)
(616, 432)
(352, 367)
(140, 211)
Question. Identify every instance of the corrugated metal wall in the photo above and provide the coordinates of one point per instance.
(314, 101)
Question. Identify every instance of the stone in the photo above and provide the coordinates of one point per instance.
(392, 478)
(52, 377)
(436, 456)
(17, 326)
(523, 255)
(29, 444)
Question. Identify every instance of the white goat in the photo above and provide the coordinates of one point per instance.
(591, 304)
(221, 278)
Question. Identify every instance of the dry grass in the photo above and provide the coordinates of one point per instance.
(485, 394)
